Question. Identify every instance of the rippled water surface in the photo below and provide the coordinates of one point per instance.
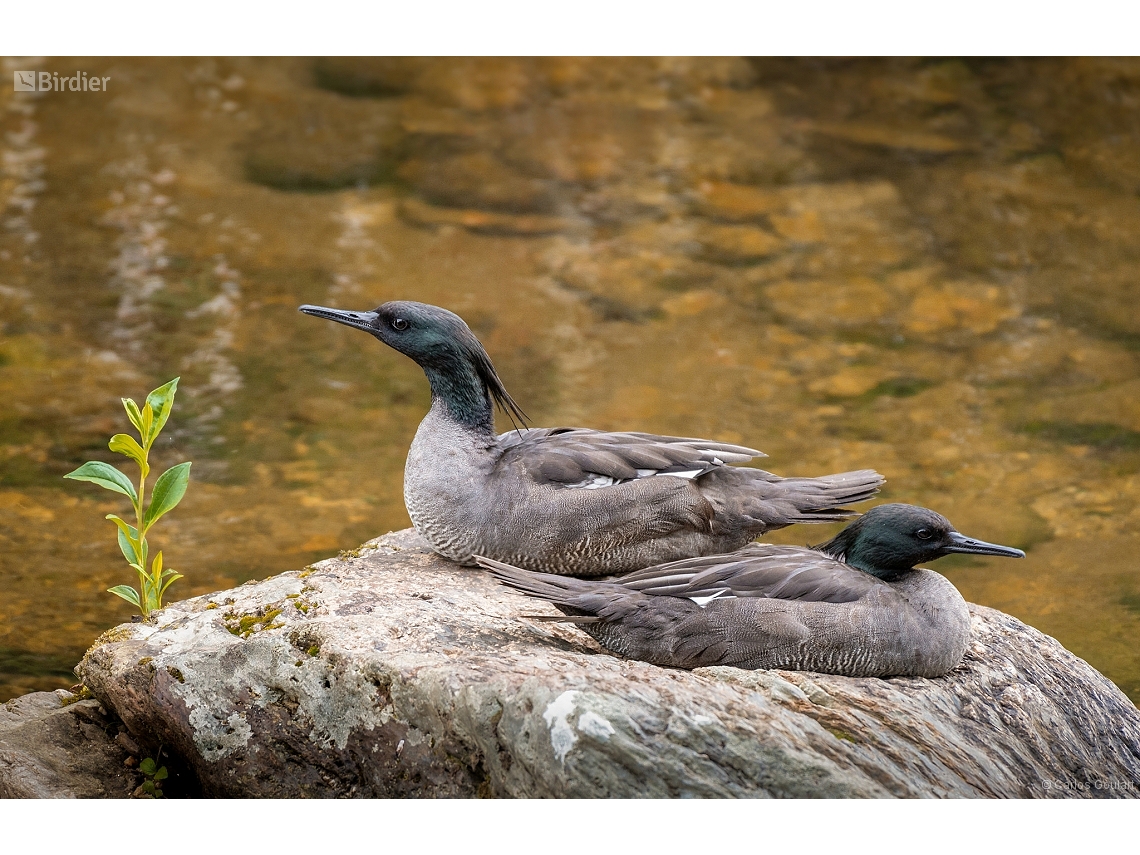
(924, 267)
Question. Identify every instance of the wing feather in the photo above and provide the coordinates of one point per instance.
(575, 457)
(757, 570)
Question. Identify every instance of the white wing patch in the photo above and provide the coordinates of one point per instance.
(595, 481)
(690, 474)
(722, 594)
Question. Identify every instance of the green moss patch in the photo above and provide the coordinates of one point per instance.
(246, 625)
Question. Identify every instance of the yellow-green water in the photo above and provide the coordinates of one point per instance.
(925, 267)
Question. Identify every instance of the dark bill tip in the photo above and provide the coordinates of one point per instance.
(357, 320)
(961, 543)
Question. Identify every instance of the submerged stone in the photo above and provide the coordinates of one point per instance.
(420, 213)
(478, 180)
(324, 142)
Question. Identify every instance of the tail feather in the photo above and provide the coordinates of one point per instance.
(563, 618)
(783, 501)
(819, 499)
(584, 600)
(545, 586)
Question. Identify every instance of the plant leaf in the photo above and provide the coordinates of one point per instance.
(128, 537)
(161, 400)
(174, 577)
(127, 593)
(168, 492)
(133, 414)
(127, 548)
(156, 567)
(147, 416)
(161, 774)
(124, 526)
(126, 445)
(105, 475)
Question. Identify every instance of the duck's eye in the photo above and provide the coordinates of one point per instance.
(923, 534)
(399, 324)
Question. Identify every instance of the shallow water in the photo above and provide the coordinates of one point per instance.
(924, 267)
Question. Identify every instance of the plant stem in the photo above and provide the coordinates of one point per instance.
(141, 550)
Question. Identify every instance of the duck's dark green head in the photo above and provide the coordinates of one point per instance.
(457, 366)
(888, 540)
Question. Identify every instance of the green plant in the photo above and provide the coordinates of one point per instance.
(153, 776)
(168, 492)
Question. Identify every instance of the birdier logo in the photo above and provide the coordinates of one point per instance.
(49, 81)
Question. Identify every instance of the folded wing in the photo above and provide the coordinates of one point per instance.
(757, 570)
(586, 459)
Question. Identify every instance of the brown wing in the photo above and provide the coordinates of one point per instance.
(580, 457)
(757, 570)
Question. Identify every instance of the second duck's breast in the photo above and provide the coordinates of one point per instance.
(918, 626)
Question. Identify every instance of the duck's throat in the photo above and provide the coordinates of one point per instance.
(852, 550)
(464, 394)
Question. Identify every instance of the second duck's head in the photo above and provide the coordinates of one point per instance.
(457, 366)
(889, 540)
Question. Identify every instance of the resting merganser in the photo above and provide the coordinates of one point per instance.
(572, 500)
(856, 605)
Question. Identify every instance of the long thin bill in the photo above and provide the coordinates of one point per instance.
(961, 543)
(357, 320)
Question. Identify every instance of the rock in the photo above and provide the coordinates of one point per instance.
(1112, 158)
(851, 381)
(691, 303)
(324, 142)
(395, 672)
(636, 269)
(726, 200)
(581, 143)
(420, 213)
(887, 136)
(369, 76)
(976, 308)
(480, 84)
(734, 245)
(732, 201)
(478, 180)
(53, 746)
(853, 301)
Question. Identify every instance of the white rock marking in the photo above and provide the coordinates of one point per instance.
(592, 724)
(556, 716)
